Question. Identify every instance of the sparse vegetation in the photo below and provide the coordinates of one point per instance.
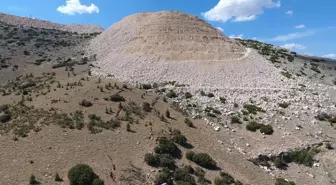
(85, 103)
(281, 181)
(253, 109)
(266, 129)
(33, 181)
(58, 178)
(171, 94)
(117, 98)
(188, 95)
(284, 105)
(201, 159)
(81, 174)
(235, 119)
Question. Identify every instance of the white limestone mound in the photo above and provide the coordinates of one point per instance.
(32, 22)
(173, 46)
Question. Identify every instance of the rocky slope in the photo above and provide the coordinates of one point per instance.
(29, 22)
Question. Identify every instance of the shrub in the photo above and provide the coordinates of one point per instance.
(180, 139)
(98, 181)
(189, 169)
(222, 100)
(152, 160)
(4, 118)
(85, 103)
(166, 160)
(182, 175)
(253, 109)
(235, 119)
(284, 105)
(211, 95)
(190, 155)
(163, 177)
(171, 94)
(33, 181)
(202, 93)
(26, 52)
(167, 113)
(204, 160)
(238, 183)
(227, 177)
(166, 147)
(188, 95)
(128, 127)
(253, 126)
(146, 107)
(281, 181)
(304, 156)
(266, 129)
(58, 178)
(146, 86)
(117, 98)
(188, 122)
(81, 174)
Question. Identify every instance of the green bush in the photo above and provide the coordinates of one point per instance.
(180, 139)
(171, 94)
(235, 119)
(81, 174)
(166, 147)
(146, 86)
(33, 181)
(152, 160)
(253, 126)
(166, 160)
(163, 177)
(211, 95)
(188, 122)
(304, 156)
(281, 181)
(117, 98)
(85, 103)
(204, 160)
(190, 155)
(284, 105)
(58, 178)
(183, 176)
(188, 95)
(98, 181)
(227, 177)
(266, 129)
(253, 109)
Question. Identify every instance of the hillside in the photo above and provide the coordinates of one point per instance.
(162, 98)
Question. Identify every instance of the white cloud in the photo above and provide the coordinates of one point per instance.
(294, 46)
(333, 56)
(293, 36)
(73, 7)
(220, 29)
(289, 12)
(300, 26)
(239, 10)
(240, 36)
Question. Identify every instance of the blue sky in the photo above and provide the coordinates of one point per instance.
(306, 26)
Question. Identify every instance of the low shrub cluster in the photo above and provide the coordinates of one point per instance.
(85, 103)
(83, 174)
(117, 98)
(253, 109)
(265, 129)
(201, 159)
